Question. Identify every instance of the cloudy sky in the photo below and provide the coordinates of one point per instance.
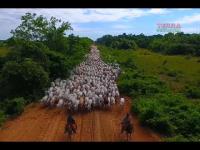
(97, 22)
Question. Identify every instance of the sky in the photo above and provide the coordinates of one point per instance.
(94, 23)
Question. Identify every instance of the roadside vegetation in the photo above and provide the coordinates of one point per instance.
(164, 90)
(37, 53)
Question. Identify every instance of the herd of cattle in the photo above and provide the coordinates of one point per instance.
(91, 84)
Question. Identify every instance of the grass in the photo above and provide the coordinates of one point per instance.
(162, 106)
(187, 71)
(176, 71)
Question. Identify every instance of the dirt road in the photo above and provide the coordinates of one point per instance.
(44, 124)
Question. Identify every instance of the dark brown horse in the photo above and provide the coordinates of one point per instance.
(70, 129)
(129, 129)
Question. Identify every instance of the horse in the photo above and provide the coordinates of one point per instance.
(70, 129)
(129, 129)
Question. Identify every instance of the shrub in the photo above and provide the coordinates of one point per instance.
(15, 106)
(171, 114)
(177, 138)
(136, 84)
(172, 73)
(59, 65)
(35, 51)
(192, 92)
(26, 79)
(129, 63)
(2, 117)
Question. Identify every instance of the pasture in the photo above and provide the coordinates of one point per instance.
(176, 71)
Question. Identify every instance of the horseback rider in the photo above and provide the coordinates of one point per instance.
(126, 122)
(71, 123)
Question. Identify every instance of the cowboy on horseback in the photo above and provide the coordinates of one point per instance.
(71, 125)
(127, 126)
(126, 123)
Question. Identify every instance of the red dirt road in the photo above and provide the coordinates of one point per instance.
(44, 124)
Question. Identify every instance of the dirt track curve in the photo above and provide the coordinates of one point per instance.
(44, 124)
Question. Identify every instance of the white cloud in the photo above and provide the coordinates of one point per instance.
(10, 18)
(121, 26)
(158, 11)
(83, 15)
(189, 19)
(191, 29)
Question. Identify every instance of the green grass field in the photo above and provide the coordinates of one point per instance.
(187, 68)
(176, 71)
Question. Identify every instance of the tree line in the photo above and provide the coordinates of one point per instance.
(170, 43)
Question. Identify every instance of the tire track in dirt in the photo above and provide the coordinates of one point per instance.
(39, 123)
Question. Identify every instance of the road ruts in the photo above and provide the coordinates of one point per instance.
(39, 123)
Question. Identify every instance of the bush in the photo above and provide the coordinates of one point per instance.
(15, 106)
(2, 117)
(35, 51)
(151, 114)
(177, 138)
(26, 79)
(169, 114)
(192, 92)
(129, 63)
(135, 84)
(2, 61)
(59, 65)
(156, 106)
(172, 73)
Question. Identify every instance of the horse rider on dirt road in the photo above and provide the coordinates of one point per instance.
(71, 123)
(125, 122)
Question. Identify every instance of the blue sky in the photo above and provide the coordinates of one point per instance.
(95, 23)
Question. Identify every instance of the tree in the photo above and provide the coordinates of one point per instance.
(55, 35)
(32, 28)
(38, 28)
(36, 51)
(26, 79)
(59, 65)
(120, 42)
(73, 41)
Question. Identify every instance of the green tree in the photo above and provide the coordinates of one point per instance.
(26, 79)
(38, 28)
